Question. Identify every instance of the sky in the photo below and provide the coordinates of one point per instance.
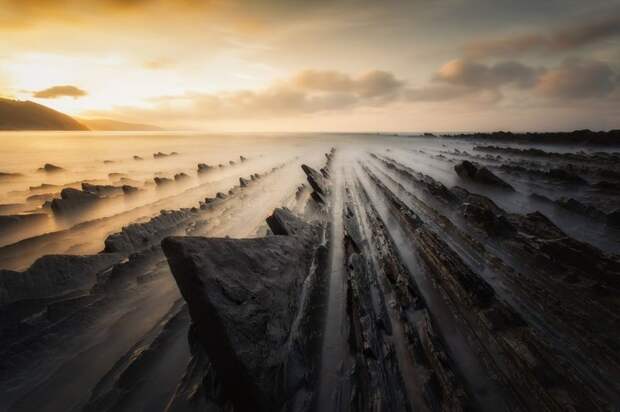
(350, 65)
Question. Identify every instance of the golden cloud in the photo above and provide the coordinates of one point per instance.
(60, 91)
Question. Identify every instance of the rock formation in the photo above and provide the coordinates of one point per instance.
(480, 174)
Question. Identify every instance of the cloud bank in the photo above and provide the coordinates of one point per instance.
(565, 39)
(311, 92)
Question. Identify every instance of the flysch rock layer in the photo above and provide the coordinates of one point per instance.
(244, 296)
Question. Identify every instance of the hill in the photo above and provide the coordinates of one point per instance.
(27, 115)
(116, 125)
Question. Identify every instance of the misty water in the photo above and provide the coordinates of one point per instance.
(48, 363)
(108, 159)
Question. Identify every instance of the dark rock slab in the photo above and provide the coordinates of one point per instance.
(243, 296)
(480, 174)
(316, 180)
(161, 181)
(50, 168)
(160, 155)
(128, 189)
(203, 168)
(53, 275)
(101, 190)
(138, 236)
(613, 218)
(73, 200)
(243, 182)
(181, 176)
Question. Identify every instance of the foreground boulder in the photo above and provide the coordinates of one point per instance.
(480, 174)
(243, 296)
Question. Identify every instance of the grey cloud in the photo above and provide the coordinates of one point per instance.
(578, 79)
(375, 83)
(563, 39)
(466, 73)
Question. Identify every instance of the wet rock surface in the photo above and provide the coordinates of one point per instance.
(73, 200)
(243, 295)
(52, 275)
(140, 235)
(374, 285)
(51, 168)
(480, 174)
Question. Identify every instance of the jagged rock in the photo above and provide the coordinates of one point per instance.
(138, 236)
(203, 168)
(221, 195)
(123, 274)
(540, 198)
(136, 157)
(127, 189)
(53, 275)
(159, 155)
(577, 207)
(101, 190)
(316, 180)
(73, 200)
(243, 182)
(181, 176)
(565, 175)
(480, 174)
(50, 168)
(286, 223)
(161, 181)
(487, 219)
(607, 186)
(300, 190)
(243, 158)
(243, 296)
(613, 218)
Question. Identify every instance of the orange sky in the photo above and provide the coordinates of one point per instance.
(269, 65)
